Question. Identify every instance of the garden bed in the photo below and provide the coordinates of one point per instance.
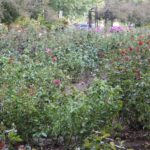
(62, 85)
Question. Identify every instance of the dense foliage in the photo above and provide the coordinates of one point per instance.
(38, 69)
(125, 10)
(9, 12)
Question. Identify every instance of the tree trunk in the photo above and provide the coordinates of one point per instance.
(106, 25)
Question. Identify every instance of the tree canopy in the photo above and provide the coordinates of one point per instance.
(9, 12)
(136, 11)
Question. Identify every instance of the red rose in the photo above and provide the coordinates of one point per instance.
(123, 52)
(141, 43)
(57, 82)
(54, 58)
(130, 48)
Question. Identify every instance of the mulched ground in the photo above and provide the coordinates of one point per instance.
(133, 140)
(137, 140)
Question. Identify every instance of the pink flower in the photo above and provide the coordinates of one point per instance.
(49, 52)
(127, 58)
(98, 30)
(141, 37)
(54, 59)
(57, 82)
(116, 29)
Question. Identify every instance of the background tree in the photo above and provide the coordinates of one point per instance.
(132, 11)
(8, 12)
(73, 7)
(127, 11)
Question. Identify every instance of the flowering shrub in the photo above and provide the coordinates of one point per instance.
(129, 69)
(36, 71)
(117, 29)
(33, 98)
(99, 30)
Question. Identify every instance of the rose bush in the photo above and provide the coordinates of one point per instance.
(37, 67)
(33, 98)
(129, 68)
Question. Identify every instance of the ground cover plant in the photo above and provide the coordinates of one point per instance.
(38, 96)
